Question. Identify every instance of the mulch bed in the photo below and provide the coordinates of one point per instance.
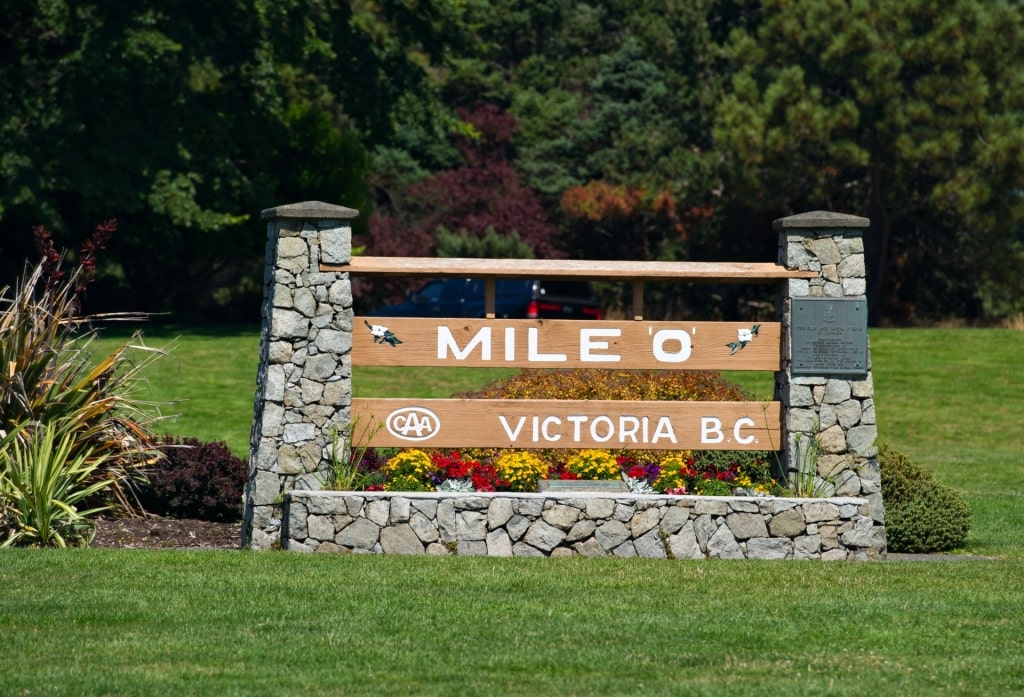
(165, 533)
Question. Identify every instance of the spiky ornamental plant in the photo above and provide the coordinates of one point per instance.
(43, 484)
(49, 375)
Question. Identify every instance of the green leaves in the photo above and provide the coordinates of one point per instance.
(43, 482)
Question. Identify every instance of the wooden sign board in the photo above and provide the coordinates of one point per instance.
(554, 423)
(541, 343)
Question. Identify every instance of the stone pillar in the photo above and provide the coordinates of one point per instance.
(834, 411)
(304, 382)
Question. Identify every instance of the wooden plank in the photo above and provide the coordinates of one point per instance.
(544, 343)
(569, 269)
(552, 423)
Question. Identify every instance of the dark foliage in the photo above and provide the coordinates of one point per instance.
(197, 480)
(921, 515)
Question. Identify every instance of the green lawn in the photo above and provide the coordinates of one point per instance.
(99, 622)
(109, 622)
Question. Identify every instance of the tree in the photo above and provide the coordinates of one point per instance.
(911, 114)
(185, 121)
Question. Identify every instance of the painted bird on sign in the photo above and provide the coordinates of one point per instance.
(382, 335)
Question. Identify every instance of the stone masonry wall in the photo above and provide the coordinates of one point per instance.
(587, 524)
(304, 386)
(304, 394)
(836, 410)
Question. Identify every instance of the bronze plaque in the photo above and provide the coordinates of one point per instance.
(830, 336)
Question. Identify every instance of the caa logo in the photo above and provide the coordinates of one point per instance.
(413, 423)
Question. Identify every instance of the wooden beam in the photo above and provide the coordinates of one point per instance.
(570, 269)
(555, 423)
(546, 343)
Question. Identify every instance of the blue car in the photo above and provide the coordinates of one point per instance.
(513, 299)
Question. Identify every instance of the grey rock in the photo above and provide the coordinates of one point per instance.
(723, 545)
(544, 536)
(321, 527)
(499, 513)
(683, 544)
(644, 521)
(787, 524)
(471, 548)
(379, 511)
(861, 535)
(599, 508)
(424, 527)
(529, 507)
(769, 548)
(517, 526)
(807, 547)
(650, 545)
(581, 530)
(818, 511)
(674, 519)
(746, 525)
(704, 527)
(472, 525)
(361, 534)
(400, 510)
(590, 548)
(498, 544)
(400, 539)
(626, 550)
(560, 516)
(521, 549)
(610, 534)
(446, 524)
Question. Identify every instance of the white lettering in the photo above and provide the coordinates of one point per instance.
(544, 428)
(665, 335)
(608, 435)
(576, 420)
(736, 430)
(587, 344)
(446, 341)
(628, 426)
(413, 423)
(664, 430)
(532, 335)
(711, 430)
(510, 344)
(512, 435)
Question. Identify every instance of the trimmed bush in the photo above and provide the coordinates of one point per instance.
(197, 480)
(921, 515)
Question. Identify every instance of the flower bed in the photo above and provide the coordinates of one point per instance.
(708, 473)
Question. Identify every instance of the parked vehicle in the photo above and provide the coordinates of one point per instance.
(516, 299)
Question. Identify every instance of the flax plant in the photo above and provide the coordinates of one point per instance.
(43, 483)
(51, 379)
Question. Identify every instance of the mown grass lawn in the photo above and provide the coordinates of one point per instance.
(93, 622)
(109, 622)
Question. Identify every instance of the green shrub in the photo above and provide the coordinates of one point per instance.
(201, 481)
(921, 515)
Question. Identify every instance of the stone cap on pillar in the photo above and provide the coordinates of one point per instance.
(821, 219)
(310, 210)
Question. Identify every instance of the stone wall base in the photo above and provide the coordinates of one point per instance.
(587, 524)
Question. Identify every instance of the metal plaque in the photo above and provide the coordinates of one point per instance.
(830, 336)
(564, 486)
